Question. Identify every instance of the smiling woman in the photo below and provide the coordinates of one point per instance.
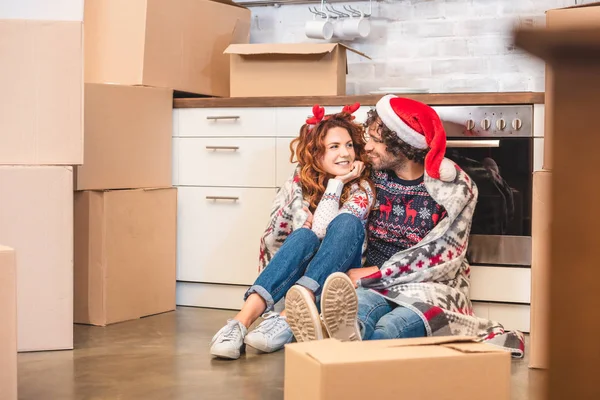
(317, 227)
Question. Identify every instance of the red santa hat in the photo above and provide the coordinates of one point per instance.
(418, 125)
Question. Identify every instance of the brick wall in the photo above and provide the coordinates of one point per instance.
(440, 45)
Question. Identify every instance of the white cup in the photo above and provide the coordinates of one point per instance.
(319, 29)
(356, 27)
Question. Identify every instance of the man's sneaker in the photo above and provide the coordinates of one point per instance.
(229, 341)
(271, 335)
(339, 306)
(302, 315)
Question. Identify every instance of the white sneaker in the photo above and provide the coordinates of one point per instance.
(339, 307)
(302, 315)
(229, 341)
(271, 335)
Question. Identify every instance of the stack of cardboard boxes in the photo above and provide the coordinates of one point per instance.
(577, 16)
(136, 55)
(41, 138)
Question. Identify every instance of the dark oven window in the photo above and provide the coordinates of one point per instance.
(503, 176)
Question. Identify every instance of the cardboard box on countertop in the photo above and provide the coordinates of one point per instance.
(422, 368)
(581, 15)
(125, 254)
(36, 220)
(540, 270)
(175, 44)
(288, 69)
(8, 327)
(128, 138)
(41, 96)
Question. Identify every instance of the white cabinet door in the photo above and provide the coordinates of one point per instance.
(284, 167)
(511, 316)
(247, 162)
(501, 284)
(234, 122)
(218, 239)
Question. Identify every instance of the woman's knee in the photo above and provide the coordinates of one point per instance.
(347, 224)
(304, 236)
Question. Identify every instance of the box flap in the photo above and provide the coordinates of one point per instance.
(5, 249)
(229, 3)
(475, 348)
(286, 48)
(594, 4)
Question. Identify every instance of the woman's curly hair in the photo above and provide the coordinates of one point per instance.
(309, 149)
(394, 144)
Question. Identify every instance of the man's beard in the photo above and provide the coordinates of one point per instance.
(391, 162)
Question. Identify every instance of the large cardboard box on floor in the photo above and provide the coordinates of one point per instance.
(288, 69)
(540, 270)
(423, 368)
(125, 254)
(36, 219)
(574, 55)
(175, 44)
(41, 95)
(575, 16)
(8, 327)
(128, 136)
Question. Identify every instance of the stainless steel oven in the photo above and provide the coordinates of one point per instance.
(494, 145)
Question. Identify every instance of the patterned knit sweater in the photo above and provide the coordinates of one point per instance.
(405, 214)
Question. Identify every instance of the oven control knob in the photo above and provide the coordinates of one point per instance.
(501, 124)
(517, 124)
(470, 125)
(486, 124)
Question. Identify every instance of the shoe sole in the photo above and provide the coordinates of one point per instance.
(302, 315)
(339, 306)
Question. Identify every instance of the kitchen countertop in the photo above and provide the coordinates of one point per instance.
(309, 101)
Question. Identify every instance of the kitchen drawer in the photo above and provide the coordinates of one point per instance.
(290, 119)
(511, 316)
(207, 122)
(284, 167)
(501, 284)
(248, 162)
(218, 240)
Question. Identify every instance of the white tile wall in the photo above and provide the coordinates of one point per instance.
(441, 45)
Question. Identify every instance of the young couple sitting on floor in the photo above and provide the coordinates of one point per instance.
(367, 239)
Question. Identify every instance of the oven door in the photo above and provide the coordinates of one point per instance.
(502, 170)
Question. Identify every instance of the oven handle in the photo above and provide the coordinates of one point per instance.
(473, 143)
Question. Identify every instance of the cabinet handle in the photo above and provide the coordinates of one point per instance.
(472, 143)
(234, 148)
(220, 117)
(215, 198)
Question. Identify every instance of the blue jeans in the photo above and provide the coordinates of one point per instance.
(382, 319)
(305, 260)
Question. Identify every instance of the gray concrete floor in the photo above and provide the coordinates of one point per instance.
(166, 357)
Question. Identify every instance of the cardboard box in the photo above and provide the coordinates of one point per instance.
(55, 10)
(576, 16)
(8, 327)
(424, 368)
(540, 270)
(125, 254)
(175, 44)
(41, 101)
(288, 69)
(574, 274)
(128, 136)
(36, 219)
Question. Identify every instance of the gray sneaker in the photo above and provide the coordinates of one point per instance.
(271, 335)
(229, 341)
(339, 307)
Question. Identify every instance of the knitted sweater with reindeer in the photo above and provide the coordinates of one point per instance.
(405, 213)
